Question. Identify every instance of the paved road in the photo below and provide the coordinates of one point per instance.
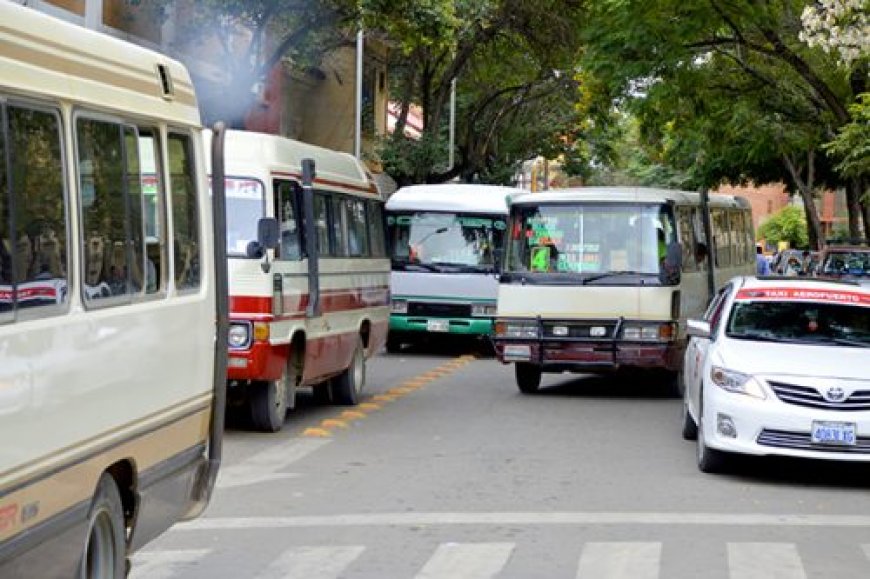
(447, 471)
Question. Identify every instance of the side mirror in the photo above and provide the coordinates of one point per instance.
(698, 329)
(254, 250)
(268, 234)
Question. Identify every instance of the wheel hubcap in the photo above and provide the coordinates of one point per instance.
(100, 560)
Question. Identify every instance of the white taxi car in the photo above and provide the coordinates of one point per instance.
(780, 367)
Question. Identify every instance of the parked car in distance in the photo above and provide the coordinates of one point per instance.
(845, 262)
(780, 366)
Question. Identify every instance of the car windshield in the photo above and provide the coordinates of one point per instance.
(847, 263)
(445, 242)
(794, 321)
(596, 241)
(245, 207)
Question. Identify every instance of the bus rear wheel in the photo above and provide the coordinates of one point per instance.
(104, 556)
(347, 386)
(528, 377)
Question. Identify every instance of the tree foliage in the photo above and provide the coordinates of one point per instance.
(724, 91)
(514, 64)
(788, 224)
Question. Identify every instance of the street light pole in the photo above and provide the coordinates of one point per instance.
(357, 140)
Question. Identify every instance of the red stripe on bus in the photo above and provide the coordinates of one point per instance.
(330, 301)
(805, 294)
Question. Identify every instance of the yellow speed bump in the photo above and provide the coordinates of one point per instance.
(369, 406)
(333, 423)
(383, 398)
(400, 391)
(352, 415)
(316, 432)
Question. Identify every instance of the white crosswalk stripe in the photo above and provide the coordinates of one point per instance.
(620, 561)
(312, 562)
(164, 564)
(764, 561)
(466, 561)
(598, 560)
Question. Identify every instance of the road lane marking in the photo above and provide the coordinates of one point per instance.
(764, 561)
(545, 518)
(164, 564)
(620, 561)
(265, 465)
(312, 562)
(466, 561)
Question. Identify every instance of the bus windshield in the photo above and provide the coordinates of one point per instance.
(591, 242)
(245, 206)
(445, 242)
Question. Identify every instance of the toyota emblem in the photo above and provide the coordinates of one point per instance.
(835, 394)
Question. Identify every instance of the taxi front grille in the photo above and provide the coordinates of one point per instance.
(803, 441)
(812, 398)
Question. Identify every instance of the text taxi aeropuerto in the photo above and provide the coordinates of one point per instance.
(780, 367)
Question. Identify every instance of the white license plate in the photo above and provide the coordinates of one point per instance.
(514, 352)
(837, 433)
(438, 325)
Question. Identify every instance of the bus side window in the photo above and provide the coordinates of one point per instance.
(36, 260)
(185, 211)
(7, 305)
(321, 223)
(357, 228)
(289, 224)
(376, 230)
(339, 227)
(687, 238)
(153, 209)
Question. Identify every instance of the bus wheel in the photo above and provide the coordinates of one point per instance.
(268, 404)
(528, 377)
(347, 386)
(104, 556)
(394, 345)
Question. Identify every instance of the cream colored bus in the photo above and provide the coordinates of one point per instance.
(111, 378)
(601, 279)
(308, 275)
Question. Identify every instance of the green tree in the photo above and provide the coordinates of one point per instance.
(726, 91)
(786, 225)
(514, 64)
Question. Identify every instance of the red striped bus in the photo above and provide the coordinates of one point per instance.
(308, 275)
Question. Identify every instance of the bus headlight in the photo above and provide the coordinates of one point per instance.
(737, 382)
(516, 329)
(483, 309)
(649, 332)
(399, 307)
(239, 336)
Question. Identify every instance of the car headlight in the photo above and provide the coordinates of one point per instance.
(515, 329)
(239, 335)
(399, 306)
(737, 382)
(483, 309)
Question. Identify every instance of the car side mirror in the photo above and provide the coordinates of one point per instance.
(698, 329)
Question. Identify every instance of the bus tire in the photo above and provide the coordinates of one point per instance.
(268, 404)
(347, 386)
(528, 377)
(105, 552)
(394, 344)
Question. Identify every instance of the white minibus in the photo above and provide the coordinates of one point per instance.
(600, 279)
(445, 242)
(112, 357)
(308, 275)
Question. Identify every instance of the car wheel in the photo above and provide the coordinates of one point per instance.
(710, 460)
(528, 377)
(347, 386)
(690, 429)
(104, 556)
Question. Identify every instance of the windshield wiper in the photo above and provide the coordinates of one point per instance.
(761, 337)
(463, 267)
(414, 266)
(839, 341)
(598, 276)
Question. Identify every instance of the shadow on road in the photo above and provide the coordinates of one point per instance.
(618, 385)
(448, 347)
(776, 471)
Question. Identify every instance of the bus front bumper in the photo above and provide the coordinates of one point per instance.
(467, 326)
(262, 361)
(590, 356)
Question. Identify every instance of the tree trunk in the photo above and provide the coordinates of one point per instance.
(805, 188)
(853, 204)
